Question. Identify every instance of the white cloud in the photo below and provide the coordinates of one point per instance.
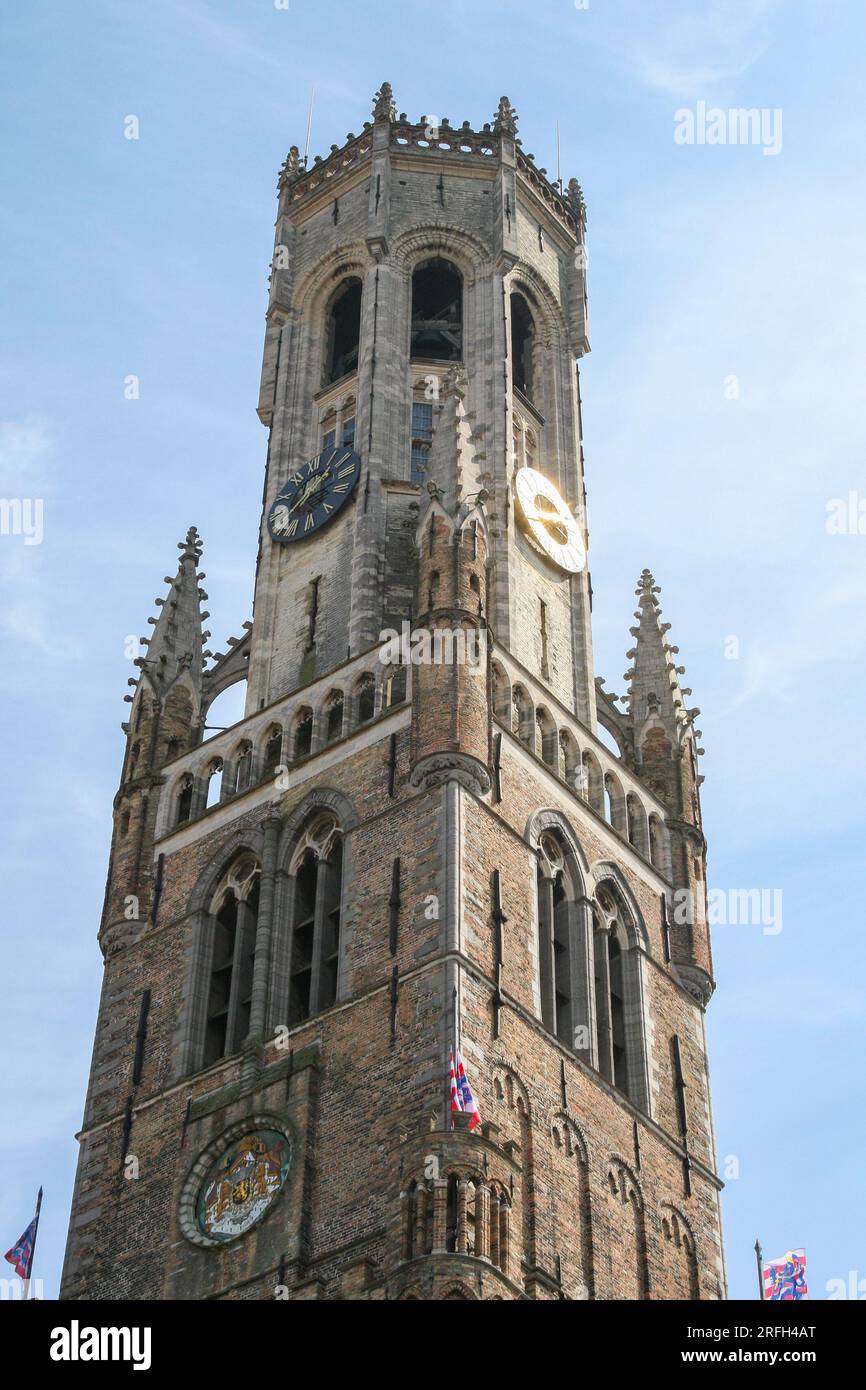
(685, 54)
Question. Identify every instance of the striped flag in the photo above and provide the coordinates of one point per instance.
(21, 1254)
(785, 1278)
(461, 1092)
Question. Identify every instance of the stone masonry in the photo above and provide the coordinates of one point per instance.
(407, 858)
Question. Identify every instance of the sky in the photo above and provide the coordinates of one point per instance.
(723, 415)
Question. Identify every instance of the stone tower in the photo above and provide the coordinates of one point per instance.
(415, 839)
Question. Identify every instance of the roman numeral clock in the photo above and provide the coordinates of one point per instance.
(313, 495)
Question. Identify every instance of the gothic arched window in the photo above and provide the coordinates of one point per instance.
(334, 716)
(621, 1046)
(564, 991)
(184, 800)
(273, 752)
(343, 332)
(590, 970)
(365, 696)
(243, 766)
(232, 926)
(437, 312)
(303, 733)
(314, 948)
(522, 340)
(214, 778)
(396, 686)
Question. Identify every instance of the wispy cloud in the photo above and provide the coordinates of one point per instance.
(687, 54)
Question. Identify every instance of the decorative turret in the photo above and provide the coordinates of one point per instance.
(664, 740)
(383, 104)
(176, 643)
(165, 721)
(450, 730)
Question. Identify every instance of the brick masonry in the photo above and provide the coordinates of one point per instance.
(445, 802)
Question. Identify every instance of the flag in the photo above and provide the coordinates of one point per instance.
(785, 1278)
(461, 1092)
(21, 1254)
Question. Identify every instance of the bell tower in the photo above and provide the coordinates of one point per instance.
(414, 842)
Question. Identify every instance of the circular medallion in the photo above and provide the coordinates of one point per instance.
(242, 1183)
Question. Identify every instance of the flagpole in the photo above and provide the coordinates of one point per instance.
(759, 1256)
(455, 1023)
(33, 1246)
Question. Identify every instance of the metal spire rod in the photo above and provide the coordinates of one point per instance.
(309, 125)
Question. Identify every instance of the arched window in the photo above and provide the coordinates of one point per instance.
(184, 800)
(590, 969)
(562, 962)
(365, 695)
(637, 824)
(522, 340)
(273, 752)
(501, 692)
(569, 760)
(451, 1217)
(617, 1013)
(243, 766)
(343, 332)
(437, 312)
(334, 716)
(614, 804)
(530, 449)
(410, 1220)
(233, 914)
(314, 949)
(547, 744)
(422, 432)
(618, 993)
(214, 776)
(658, 845)
(396, 686)
(329, 430)
(523, 724)
(592, 784)
(303, 735)
(348, 426)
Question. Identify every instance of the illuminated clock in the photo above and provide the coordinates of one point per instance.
(312, 496)
(548, 521)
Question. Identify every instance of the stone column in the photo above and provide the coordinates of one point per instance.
(482, 1221)
(264, 929)
(581, 926)
(440, 1215)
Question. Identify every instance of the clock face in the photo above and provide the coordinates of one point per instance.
(548, 520)
(314, 494)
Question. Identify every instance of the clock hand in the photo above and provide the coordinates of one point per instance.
(544, 516)
(313, 486)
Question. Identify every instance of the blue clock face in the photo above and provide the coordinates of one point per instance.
(312, 496)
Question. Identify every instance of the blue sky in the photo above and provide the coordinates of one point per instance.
(150, 257)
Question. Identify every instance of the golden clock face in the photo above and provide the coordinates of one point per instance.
(548, 520)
